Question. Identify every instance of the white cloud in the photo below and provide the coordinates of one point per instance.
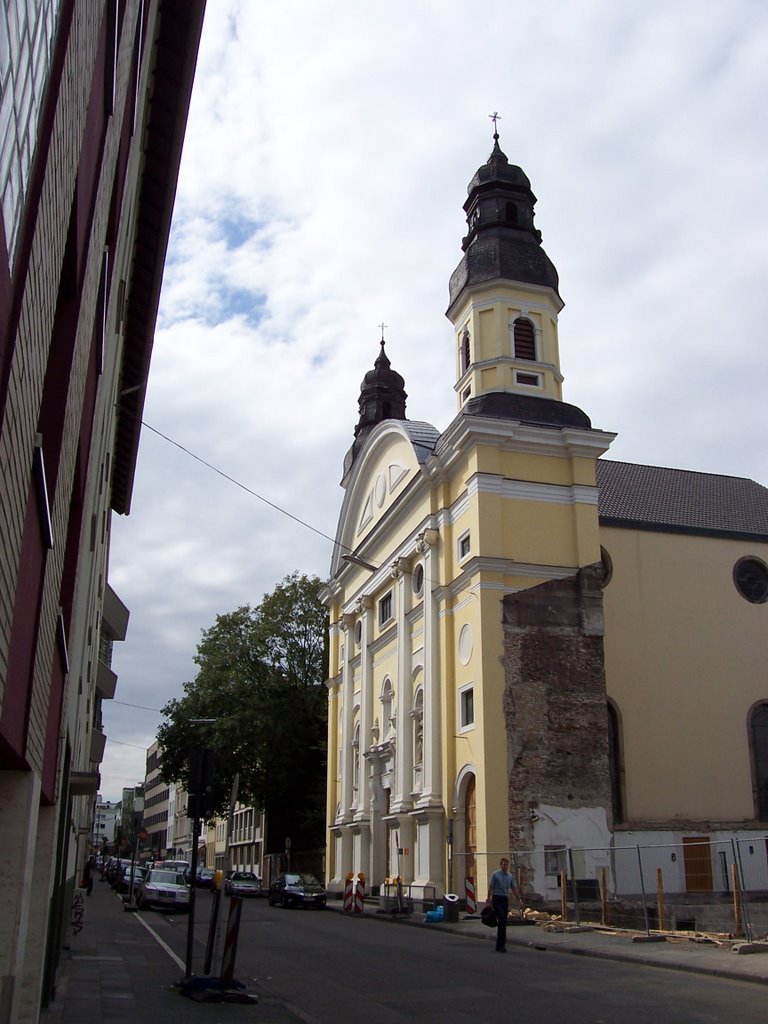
(326, 162)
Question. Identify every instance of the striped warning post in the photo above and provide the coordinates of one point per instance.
(469, 892)
(230, 942)
(348, 893)
(359, 894)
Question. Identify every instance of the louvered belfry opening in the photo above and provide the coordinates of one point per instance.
(525, 339)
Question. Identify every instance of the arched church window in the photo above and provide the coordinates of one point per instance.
(524, 337)
(758, 735)
(511, 213)
(615, 769)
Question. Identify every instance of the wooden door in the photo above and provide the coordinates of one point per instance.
(698, 864)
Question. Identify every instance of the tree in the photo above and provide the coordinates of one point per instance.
(260, 677)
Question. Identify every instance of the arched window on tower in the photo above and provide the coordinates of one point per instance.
(758, 741)
(464, 351)
(615, 766)
(511, 213)
(524, 337)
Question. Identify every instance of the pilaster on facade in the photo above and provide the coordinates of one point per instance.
(402, 800)
(432, 781)
(347, 712)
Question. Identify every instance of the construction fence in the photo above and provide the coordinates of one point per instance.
(696, 884)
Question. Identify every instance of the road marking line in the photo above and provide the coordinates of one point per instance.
(164, 945)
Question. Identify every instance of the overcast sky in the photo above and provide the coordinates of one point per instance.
(327, 157)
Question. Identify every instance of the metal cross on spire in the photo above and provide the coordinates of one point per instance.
(495, 116)
(382, 325)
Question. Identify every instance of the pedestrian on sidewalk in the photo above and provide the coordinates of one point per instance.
(499, 887)
(88, 876)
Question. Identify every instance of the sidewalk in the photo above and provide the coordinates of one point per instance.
(117, 971)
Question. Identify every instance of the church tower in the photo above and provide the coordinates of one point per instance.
(504, 298)
(531, 530)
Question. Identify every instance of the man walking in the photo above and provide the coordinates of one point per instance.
(499, 887)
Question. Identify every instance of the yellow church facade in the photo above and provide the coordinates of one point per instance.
(498, 646)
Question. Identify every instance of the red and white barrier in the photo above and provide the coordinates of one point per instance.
(360, 894)
(469, 892)
(349, 887)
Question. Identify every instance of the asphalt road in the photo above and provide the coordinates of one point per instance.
(321, 966)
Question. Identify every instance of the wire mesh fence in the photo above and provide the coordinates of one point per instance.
(697, 884)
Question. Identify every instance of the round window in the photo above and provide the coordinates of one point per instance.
(418, 579)
(751, 578)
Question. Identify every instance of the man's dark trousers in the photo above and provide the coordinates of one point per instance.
(501, 906)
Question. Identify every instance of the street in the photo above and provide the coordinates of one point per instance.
(322, 966)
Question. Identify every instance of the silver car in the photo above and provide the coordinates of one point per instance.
(163, 889)
(242, 883)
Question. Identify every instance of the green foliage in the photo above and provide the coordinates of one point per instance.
(260, 676)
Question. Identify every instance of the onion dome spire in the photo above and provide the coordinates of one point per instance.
(502, 241)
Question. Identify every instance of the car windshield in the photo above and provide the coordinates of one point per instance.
(244, 876)
(168, 877)
(301, 880)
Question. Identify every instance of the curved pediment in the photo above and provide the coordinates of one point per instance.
(390, 460)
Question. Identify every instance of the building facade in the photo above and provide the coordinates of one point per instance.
(94, 98)
(522, 631)
(158, 819)
(105, 821)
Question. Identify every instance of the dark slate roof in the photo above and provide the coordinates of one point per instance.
(681, 501)
(423, 437)
(544, 412)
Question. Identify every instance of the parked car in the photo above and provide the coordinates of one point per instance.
(242, 883)
(174, 865)
(123, 878)
(116, 870)
(297, 890)
(205, 878)
(163, 888)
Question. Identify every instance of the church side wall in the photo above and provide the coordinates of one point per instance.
(685, 662)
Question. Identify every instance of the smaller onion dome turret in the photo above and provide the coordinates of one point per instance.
(382, 395)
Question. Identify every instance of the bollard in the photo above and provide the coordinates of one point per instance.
(469, 892)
